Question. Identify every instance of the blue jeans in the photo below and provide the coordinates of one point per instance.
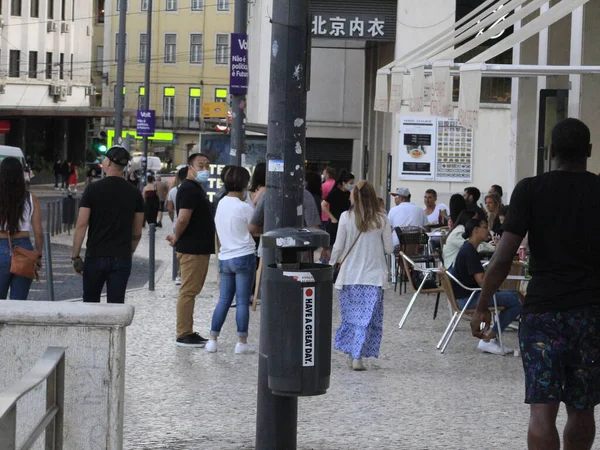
(237, 277)
(19, 286)
(112, 271)
(508, 299)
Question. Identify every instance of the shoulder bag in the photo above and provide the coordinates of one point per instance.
(23, 262)
(337, 267)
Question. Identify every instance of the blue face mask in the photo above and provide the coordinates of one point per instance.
(202, 176)
(350, 186)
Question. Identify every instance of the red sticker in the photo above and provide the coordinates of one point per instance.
(309, 292)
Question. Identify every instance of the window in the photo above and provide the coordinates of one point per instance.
(222, 5)
(34, 8)
(33, 61)
(220, 95)
(15, 7)
(99, 59)
(196, 49)
(142, 58)
(170, 48)
(61, 66)
(195, 105)
(100, 13)
(117, 47)
(50, 9)
(197, 5)
(141, 97)
(48, 65)
(222, 49)
(169, 103)
(63, 7)
(171, 5)
(14, 63)
(144, 5)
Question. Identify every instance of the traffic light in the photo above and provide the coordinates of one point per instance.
(99, 143)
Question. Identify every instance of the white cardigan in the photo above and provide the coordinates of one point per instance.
(455, 242)
(366, 264)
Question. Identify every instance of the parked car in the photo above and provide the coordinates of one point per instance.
(94, 168)
(16, 152)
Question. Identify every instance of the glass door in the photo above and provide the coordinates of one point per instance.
(554, 106)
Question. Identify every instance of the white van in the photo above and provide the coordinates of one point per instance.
(16, 152)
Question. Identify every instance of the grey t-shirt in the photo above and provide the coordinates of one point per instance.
(309, 209)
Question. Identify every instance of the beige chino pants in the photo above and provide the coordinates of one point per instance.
(193, 274)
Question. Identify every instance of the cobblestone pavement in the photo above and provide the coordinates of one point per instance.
(410, 398)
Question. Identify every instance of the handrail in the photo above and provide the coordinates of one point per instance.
(50, 368)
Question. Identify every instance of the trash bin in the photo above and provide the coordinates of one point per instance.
(68, 210)
(298, 301)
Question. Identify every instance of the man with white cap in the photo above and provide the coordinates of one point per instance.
(405, 214)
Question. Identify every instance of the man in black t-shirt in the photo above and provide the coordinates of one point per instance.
(560, 325)
(194, 242)
(113, 210)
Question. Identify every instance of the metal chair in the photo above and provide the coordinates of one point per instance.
(428, 274)
(413, 243)
(446, 279)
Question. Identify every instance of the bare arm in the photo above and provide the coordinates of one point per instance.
(325, 208)
(36, 224)
(138, 222)
(171, 209)
(183, 220)
(255, 230)
(80, 229)
(479, 278)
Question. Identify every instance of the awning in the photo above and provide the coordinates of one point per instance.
(472, 72)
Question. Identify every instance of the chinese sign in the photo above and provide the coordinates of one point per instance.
(349, 26)
(145, 122)
(238, 81)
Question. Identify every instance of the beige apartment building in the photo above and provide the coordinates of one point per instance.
(189, 67)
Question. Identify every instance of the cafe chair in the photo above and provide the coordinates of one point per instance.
(414, 243)
(409, 267)
(446, 279)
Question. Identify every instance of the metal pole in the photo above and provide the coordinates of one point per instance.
(48, 260)
(119, 103)
(151, 265)
(147, 91)
(51, 209)
(238, 102)
(277, 416)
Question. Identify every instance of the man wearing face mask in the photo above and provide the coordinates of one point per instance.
(194, 241)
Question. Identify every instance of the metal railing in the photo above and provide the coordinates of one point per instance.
(50, 368)
(54, 217)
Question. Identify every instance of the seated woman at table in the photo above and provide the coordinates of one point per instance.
(468, 270)
(495, 218)
(455, 240)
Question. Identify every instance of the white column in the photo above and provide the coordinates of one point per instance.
(576, 59)
(542, 61)
(514, 119)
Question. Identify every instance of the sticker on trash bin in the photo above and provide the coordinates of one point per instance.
(286, 242)
(302, 277)
(308, 348)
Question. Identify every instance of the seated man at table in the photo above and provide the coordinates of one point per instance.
(472, 196)
(434, 211)
(468, 270)
(405, 214)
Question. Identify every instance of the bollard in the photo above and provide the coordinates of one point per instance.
(48, 218)
(49, 274)
(175, 265)
(58, 217)
(152, 255)
(51, 206)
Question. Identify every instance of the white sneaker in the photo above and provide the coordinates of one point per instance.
(244, 349)
(177, 281)
(357, 364)
(491, 347)
(211, 346)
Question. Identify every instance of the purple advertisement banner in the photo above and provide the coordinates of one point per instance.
(145, 122)
(238, 81)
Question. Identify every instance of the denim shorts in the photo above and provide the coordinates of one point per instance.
(561, 357)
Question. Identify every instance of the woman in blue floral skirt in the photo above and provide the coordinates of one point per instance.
(364, 238)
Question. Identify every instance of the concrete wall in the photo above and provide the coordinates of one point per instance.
(590, 98)
(94, 335)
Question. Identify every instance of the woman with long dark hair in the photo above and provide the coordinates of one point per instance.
(364, 238)
(19, 216)
(337, 202)
(151, 201)
(312, 182)
(258, 184)
(457, 205)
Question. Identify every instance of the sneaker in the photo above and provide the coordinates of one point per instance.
(177, 281)
(244, 349)
(211, 346)
(191, 340)
(357, 364)
(233, 305)
(490, 347)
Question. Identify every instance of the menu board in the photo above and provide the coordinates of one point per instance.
(435, 148)
(454, 156)
(416, 159)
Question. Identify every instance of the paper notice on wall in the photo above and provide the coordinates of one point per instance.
(416, 152)
(441, 91)
(397, 84)
(417, 78)
(469, 98)
(381, 93)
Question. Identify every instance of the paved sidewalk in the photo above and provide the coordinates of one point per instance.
(410, 398)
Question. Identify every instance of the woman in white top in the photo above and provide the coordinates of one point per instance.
(364, 237)
(455, 239)
(237, 259)
(19, 215)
